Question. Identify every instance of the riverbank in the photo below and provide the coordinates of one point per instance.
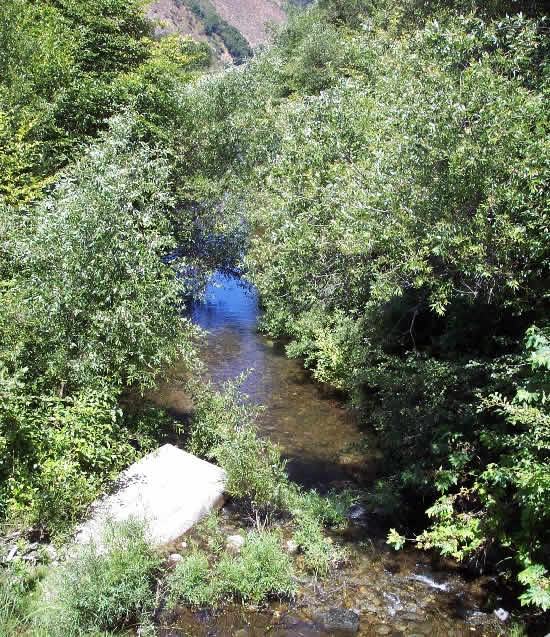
(387, 592)
(409, 591)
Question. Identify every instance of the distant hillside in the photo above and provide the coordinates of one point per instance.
(173, 16)
(250, 16)
(230, 26)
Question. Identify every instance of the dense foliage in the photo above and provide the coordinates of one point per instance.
(65, 67)
(393, 163)
(397, 173)
(95, 259)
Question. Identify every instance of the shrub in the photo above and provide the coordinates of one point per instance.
(191, 582)
(255, 470)
(262, 569)
(104, 586)
(329, 510)
(319, 552)
(224, 429)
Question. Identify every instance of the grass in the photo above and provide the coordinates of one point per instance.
(105, 587)
(18, 591)
(260, 571)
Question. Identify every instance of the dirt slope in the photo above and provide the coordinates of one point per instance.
(247, 16)
(250, 16)
(171, 16)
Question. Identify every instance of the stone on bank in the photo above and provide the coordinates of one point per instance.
(169, 488)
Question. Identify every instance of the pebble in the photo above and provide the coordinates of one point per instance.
(292, 547)
(502, 614)
(176, 557)
(234, 543)
(382, 629)
(338, 619)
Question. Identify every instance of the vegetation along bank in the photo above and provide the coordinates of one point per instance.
(379, 172)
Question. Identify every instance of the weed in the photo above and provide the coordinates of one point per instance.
(104, 587)
(261, 570)
(191, 582)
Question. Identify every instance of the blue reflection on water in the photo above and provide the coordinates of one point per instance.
(229, 303)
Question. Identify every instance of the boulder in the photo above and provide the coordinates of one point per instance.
(338, 619)
(169, 488)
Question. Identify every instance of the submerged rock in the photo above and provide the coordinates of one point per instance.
(169, 488)
(338, 619)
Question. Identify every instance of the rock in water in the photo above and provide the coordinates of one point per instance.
(502, 614)
(339, 619)
(170, 488)
(234, 543)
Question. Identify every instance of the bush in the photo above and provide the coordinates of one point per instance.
(104, 586)
(88, 307)
(255, 470)
(191, 582)
(329, 510)
(319, 553)
(261, 570)
(224, 429)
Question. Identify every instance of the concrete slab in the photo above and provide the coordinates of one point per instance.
(170, 488)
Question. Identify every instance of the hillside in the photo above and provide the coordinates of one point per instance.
(248, 17)
(172, 16)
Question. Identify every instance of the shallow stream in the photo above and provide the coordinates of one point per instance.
(409, 593)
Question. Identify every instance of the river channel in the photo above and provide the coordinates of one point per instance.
(403, 594)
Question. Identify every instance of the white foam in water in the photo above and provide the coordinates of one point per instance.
(395, 603)
(430, 582)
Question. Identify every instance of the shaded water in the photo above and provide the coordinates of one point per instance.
(399, 594)
(309, 422)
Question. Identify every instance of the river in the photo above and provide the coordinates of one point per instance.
(403, 594)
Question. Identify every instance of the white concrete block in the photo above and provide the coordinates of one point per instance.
(170, 488)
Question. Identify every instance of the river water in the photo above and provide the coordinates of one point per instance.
(409, 593)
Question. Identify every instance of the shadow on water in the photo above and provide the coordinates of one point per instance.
(309, 422)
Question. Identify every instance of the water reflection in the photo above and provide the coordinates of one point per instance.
(311, 425)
